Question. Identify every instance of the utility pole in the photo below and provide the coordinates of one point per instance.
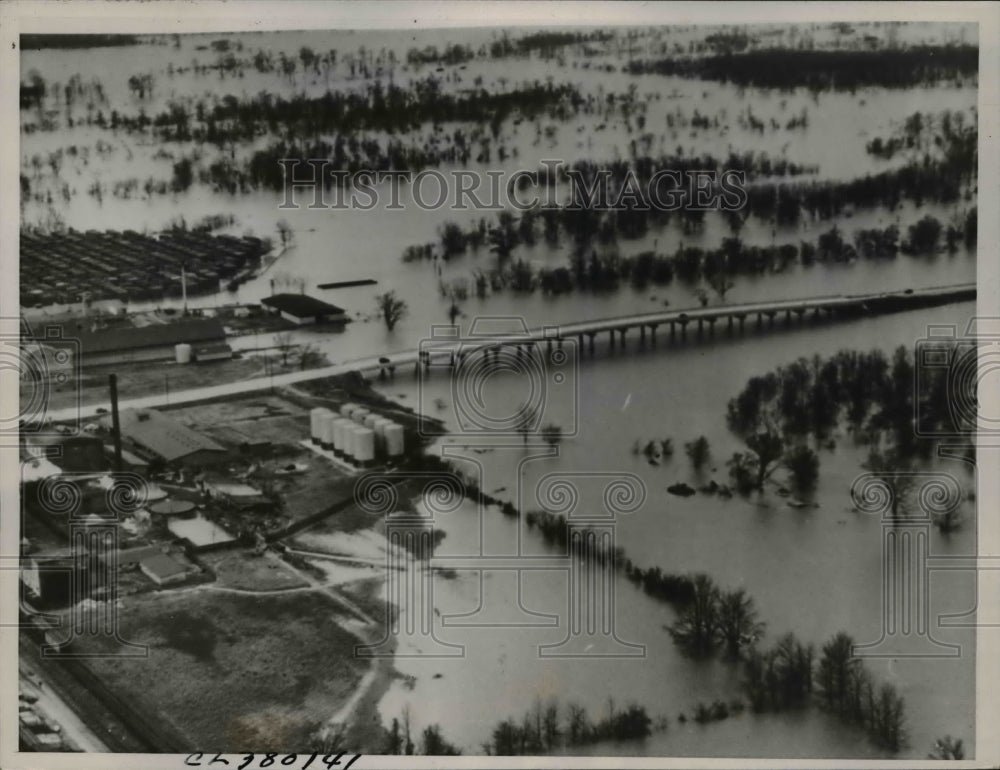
(184, 286)
(116, 428)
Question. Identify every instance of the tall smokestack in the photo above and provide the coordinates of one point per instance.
(116, 428)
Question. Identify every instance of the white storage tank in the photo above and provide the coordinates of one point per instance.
(347, 430)
(315, 423)
(347, 409)
(371, 418)
(380, 425)
(394, 440)
(359, 414)
(340, 426)
(326, 434)
(363, 441)
(182, 352)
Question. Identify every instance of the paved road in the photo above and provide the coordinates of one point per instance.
(404, 357)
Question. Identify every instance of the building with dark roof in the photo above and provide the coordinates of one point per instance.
(302, 309)
(76, 454)
(153, 433)
(163, 569)
(145, 343)
(129, 558)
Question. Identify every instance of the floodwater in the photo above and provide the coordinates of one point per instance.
(811, 571)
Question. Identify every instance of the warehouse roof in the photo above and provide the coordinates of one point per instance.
(192, 331)
(129, 556)
(301, 305)
(162, 435)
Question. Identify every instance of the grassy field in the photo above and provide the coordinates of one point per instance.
(233, 672)
(148, 378)
(244, 571)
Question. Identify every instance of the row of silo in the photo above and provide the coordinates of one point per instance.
(357, 434)
(388, 435)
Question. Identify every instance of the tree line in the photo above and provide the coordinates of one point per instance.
(608, 271)
(787, 674)
(376, 107)
(548, 727)
(823, 70)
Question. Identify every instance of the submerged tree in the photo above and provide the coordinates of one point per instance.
(896, 473)
(833, 675)
(696, 629)
(803, 466)
(391, 308)
(737, 623)
(698, 451)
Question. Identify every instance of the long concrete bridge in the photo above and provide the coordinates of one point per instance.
(703, 320)
(698, 322)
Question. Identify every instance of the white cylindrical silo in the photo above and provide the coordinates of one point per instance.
(371, 418)
(347, 428)
(347, 409)
(359, 414)
(380, 426)
(315, 424)
(394, 440)
(326, 431)
(363, 444)
(339, 436)
(182, 353)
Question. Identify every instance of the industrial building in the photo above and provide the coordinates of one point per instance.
(156, 342)
(153, 434)
(301, 309)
